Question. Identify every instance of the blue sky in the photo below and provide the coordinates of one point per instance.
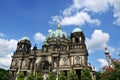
(98, 19)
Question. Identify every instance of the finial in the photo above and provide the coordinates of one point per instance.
(58, 27)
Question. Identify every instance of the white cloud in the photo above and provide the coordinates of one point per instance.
(79, 19)
(5, 61)
(50, 30)
(70, 15)
(98, 40)
(96, 5)
(103, 62)
(116, 5)
(87, 5)
(7, 47)
(39, 37)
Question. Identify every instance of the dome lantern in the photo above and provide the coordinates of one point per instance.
(58, 33)
(58, 27)
(76, 30)
(24, 38)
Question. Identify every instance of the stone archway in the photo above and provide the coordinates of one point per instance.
(45, 68)
(44, 64)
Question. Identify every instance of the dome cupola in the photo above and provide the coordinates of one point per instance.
(58, 33)
(76, 30)
(25, 38)
(24, 44)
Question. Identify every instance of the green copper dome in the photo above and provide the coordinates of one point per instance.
(25, 38)
(76, 30)
(45, 43)
(58, 33)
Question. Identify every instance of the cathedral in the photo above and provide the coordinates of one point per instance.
(59, 52)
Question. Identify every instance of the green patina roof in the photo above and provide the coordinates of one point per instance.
(25, 38)
(58, 33)
(45, 43)
(76, 30)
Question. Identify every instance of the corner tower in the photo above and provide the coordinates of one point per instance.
(20, 59)
(78, 46)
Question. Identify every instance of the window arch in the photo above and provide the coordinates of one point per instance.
(64, 61)
(44, 65)
(53, 35)
(77, 40)
(63, 35)
(77, 58)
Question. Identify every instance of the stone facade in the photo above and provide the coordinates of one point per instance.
(59, 52)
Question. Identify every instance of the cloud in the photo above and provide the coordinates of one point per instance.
(50, 30)
(98, 40)
(7, 47)
(72, 15)
(103, 62)
(79, 18)
(39, 37)
(116, 5)
(5, 61)
(96, 6)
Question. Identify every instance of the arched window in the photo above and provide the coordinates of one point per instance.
(44, 65)
(80, 39)
(76, 40)
(64, 61)
(53, 35)
(63, 36)
(77, 58)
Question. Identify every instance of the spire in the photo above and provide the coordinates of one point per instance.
(58, 27)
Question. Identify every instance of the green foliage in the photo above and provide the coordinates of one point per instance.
(98, 75)
(31, 77)
(20, 76)
(110, 73)
(39, 76)
(73, 75)
(85, 75)
(4, 74)
(52, 76)
(62, 76)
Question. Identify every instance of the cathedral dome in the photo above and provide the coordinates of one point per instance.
(76, 30)
(45, 43)
(58, 33)
(24, 38)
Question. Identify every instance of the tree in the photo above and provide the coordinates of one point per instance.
(52, 76)
(39, 76)
(111, 73)
(116, 71)
(85, 75)
(98, 75)
(73, 75)
(20, 76)
(4, 74)
(31, 77)
(62, 76)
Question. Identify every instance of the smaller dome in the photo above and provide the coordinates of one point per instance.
(45, 43)
(25, 38)
(76, 30)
